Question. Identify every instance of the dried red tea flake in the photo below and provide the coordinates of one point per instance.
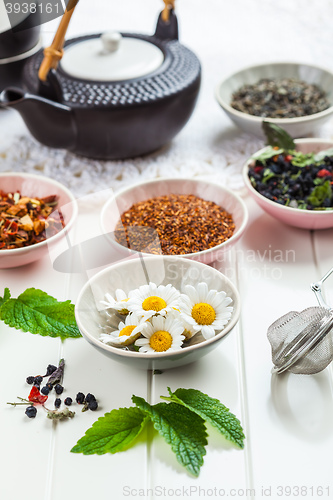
(36, 397)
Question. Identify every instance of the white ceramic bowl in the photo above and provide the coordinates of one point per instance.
(306, 219)
(37, 186)
(134, 272)
(296, 127)
(210, 191)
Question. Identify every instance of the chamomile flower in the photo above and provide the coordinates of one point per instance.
(119, 303)
(161, 335)
(205, 310)
(189, 330)
(149, 300)
(127, 332)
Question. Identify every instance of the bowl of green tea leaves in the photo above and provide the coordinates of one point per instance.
(297, 97)
(292, 180)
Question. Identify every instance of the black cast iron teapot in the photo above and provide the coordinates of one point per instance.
(112, 96)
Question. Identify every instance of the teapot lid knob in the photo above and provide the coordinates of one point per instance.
(111, 41)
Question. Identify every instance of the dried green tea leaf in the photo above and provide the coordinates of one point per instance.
(181, 428)
(211, 410)
(113, 432)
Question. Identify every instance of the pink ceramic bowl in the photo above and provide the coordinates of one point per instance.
(210, 191)
(36, 186)
(306, 219)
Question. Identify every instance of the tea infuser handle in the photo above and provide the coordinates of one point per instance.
(54, 53)
(316, 288)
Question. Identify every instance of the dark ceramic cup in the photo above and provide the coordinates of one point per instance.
(17, 44)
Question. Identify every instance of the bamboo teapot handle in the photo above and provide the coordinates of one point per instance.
(54, 53)
(169, 5)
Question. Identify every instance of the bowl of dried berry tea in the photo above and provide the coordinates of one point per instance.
(193, 218)
(36, 213)
(294, 184)
(157, 312)
(297, 97)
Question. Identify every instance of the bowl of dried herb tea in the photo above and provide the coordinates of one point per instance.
(36, 213)
(157, 312)
(192, 218)
(294, 185)
(297, 97)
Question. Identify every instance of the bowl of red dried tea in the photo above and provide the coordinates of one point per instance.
(294, 185)
(184, 217)
(154, 276)
(297, 97)
(36, 212)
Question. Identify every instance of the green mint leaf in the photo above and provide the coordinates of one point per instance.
(6, 296)
(113, 432)
(302, 159)
(319, 157)
(181, 428)
(277, 136)
(267, 154)
(267, 174)
(35, 311)
(319, 194)
(213, 411)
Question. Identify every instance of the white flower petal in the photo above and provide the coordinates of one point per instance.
(191, 294)
(202, 291)
(207, 332)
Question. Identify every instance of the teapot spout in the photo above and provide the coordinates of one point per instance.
(49, 122)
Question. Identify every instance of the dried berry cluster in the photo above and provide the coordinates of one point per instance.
(39, 394)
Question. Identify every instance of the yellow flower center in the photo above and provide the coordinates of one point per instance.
(123, 311)
(153, 303)
(160, 341)
(127, 330)
(204, 314)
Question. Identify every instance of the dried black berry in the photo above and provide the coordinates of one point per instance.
(93, 405)
(80, 397)
(68, 401)
(58, 388)
(30, 380)
(57, 402)
(38, 380)
(31, 411)
(45, 390)
(90, 397)
(50, 369)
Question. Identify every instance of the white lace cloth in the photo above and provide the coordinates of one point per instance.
(226, 36)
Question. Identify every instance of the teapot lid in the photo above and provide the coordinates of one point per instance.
(111, 57)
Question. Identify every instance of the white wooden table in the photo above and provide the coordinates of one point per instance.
(288, 419)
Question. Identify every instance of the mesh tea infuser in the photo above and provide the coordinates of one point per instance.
(302, 342)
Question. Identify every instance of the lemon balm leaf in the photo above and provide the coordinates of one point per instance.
(6, 296)
(112, 433)
(37, 312)
(211, 410)
(184, 430)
